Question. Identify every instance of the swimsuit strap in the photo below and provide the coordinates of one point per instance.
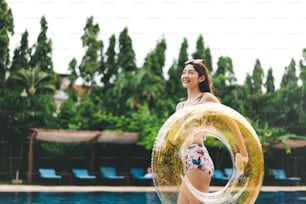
(198, 99)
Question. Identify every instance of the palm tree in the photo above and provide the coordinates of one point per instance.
(38, 87)
(34, 82)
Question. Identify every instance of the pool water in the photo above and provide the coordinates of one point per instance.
(280, 197)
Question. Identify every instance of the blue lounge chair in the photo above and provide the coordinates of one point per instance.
(109, 172)
(139, 173)
(82, 174)
(48, 174)
(218, 174)
(279, 174)
(228, 172)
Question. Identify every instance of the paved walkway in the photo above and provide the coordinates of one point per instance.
(38, 188)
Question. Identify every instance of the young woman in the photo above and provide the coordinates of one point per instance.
(197, 81)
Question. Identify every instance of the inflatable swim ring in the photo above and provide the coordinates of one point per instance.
(210, 119)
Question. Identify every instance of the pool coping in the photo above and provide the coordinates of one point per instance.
(40, 188)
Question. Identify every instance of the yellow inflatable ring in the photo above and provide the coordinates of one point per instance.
(215, 120)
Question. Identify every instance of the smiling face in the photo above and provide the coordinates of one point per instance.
(190, 77)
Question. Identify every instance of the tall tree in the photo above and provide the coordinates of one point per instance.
(225, 68)
(6, 29)
(289, 75)
(208, 59)
(303, 69)
(73, 76)
(157, 58)
(202, 52)
(174, 85)
(248, 83)
(42, 56)
(111, 68)
(22, 54)
(200, 49)
(126, 55)
(290, 100)
(225, 88)
(302, 77)
(270, 88)
(91, 61)
(183, 55)
(125, 87)
(125, 93)
(108, 77)
(150, 78)
(249, 90)
(258, 75)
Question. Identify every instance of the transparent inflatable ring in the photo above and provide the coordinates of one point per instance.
(222, 123)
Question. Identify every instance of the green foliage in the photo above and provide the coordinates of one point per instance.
(284, 138)
(290, 98)
(270, 135)
(174, 87)
(257, 77)
(270, 82)
(214, 142)
(6, 29)
(61, 150)
(225, 68)
(183, 55)
(110, 68)
(66, 116)
(86, 109)
(125, 93)
(33, 81)
(42, 111)
(126, 55)
(13, 115)
(22, 54)
(267, 135)
(91, 61)
(142, 121)
(42, 49)
(148, 124)
(289, 76)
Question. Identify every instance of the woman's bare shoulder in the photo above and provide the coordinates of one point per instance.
(209, 97)
(179, 105)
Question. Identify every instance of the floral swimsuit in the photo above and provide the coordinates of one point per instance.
(197, 157)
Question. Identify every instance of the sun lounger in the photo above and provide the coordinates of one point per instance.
(228, 172)
(218, 174)
(48, 174)
(109, 172)
(82, 174)
(279, 174)
(139, 173)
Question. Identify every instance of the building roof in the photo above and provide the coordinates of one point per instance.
(69, 136)
(292, 143)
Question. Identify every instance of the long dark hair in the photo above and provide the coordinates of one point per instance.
(199, 66)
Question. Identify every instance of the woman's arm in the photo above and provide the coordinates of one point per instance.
(234, 128)
(179, 106)
(240, 141)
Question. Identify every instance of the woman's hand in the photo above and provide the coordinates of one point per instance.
(245, 159)
(241, 161)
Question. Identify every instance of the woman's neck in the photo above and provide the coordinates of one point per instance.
(193, 94)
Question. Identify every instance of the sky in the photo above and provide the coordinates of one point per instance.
(273, 31)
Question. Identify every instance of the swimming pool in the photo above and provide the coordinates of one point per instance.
(279, 197)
